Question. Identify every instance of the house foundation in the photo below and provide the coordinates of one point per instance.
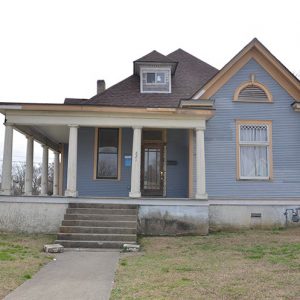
(36, 214)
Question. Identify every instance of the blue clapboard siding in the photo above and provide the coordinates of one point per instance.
(103, 187)
(86, 185)
(177, 175)
(220, 142)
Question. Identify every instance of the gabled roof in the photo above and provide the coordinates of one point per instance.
(156, 57)
(256, 50)
(191, 73)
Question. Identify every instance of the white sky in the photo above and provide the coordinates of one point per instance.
(50, 50)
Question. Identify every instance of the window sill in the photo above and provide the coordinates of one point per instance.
(106, 179)
(254, 179)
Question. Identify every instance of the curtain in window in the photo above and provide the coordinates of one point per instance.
(254, 158)
(252, 133)
(254, 161)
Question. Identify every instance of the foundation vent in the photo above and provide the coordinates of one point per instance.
(255, 215)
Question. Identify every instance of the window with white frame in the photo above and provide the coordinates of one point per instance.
(155, 80)
(254, 150)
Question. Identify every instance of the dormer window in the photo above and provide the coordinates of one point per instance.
(155, 80)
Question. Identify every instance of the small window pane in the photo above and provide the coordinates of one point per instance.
(254, 133)
(150, 77)
(108, 142)
(160, 77)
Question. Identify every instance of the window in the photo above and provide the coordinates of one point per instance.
(108, 150)
(252, 92)
(254, 149)
(150, 78)
(155, 80)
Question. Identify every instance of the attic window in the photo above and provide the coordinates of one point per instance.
(155, 80)
(252, 91)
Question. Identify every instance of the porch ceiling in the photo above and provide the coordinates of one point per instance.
(50, 135)
(58, 134)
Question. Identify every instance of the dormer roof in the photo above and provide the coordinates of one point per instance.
(191, 73)
(154, 58)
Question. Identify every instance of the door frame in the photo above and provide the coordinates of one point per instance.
(163, 164)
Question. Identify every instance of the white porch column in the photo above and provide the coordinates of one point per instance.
(136, 163)
(55, 173)
(71, 190)
(44, 184)
(200, 165)
(7, 161)
(29, 166)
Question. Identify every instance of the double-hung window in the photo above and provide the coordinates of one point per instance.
(254, 149)
(108, 150)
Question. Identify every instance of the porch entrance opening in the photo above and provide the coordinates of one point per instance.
(153, 163)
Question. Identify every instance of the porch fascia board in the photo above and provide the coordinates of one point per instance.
(5, 106)
(104, 119)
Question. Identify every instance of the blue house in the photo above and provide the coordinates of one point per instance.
(178, 138)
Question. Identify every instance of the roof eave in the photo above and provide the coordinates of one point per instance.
(138, 64)
(197, 104)
(5, 107)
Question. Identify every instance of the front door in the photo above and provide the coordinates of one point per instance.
(152, 177)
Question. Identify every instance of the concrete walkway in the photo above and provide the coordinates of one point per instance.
(72, 276)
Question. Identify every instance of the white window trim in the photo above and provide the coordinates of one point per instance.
(155, 70)
(267, 144)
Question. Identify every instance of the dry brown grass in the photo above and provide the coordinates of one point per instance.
(244, 265)
(20, 257)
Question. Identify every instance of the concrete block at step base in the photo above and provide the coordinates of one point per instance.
(131, 248)
(53, 248)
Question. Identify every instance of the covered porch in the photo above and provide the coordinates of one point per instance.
(64, 130)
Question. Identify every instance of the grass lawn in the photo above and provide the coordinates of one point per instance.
(245, 265)
(20, 257)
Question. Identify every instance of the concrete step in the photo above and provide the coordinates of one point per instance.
(102, 205)
(93, 244)
(99, 217)
(93, 223)
(96, 237)
(107, 230)
(102, 211)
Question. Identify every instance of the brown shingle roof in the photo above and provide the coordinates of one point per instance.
(191, 74)
(74, 100)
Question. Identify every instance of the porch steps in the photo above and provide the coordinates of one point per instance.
(95, 217)
(98, 226)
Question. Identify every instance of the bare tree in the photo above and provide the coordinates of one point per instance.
(50, 178)
(18, 178)
(36, 179)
